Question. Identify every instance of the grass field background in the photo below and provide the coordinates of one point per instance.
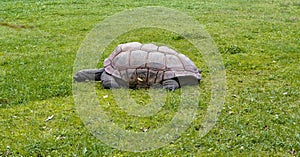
(259, 42)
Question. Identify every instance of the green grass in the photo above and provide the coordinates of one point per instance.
(259, 43)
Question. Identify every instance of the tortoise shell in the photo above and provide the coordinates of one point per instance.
(148, 64)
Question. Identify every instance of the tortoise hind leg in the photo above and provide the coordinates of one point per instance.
(88, 75)
(108, 81)
(170, 84)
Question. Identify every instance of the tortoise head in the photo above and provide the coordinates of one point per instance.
(88, 75)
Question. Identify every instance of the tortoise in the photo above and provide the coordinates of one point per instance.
(135, 65)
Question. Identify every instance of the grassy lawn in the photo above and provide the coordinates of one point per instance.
(260, 46)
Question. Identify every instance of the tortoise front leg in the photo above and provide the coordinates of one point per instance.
(108, 81)
(170, 84)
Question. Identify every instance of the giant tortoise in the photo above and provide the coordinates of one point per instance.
(136, 65)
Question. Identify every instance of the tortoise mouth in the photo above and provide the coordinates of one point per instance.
(76, 78)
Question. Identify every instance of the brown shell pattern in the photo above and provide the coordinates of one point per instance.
(148, 63)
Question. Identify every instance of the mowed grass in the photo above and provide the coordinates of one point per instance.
(259, 43)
